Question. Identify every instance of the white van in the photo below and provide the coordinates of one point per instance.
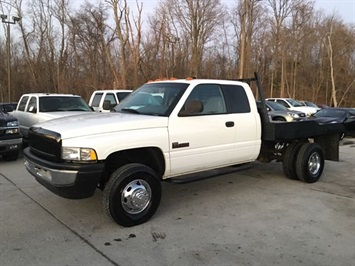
(105, 100)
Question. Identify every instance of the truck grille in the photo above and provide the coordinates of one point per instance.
(45, 143)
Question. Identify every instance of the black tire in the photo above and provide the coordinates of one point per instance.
(132, 195)
(279, 119)
(11, 156)
(289, 160)
(310, 162)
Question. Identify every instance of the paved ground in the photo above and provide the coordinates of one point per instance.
(252, 217)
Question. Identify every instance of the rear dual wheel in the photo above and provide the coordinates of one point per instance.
(303, 161)
(310, 162)
(289, 160)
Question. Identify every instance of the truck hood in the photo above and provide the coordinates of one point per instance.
(54, 115)
(5, 117)
(100, 123)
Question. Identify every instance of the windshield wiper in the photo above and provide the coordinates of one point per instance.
(78, 109)
(128, 110)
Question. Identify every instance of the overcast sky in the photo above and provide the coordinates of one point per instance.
(344, 8)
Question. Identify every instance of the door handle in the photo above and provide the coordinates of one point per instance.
(230, 124)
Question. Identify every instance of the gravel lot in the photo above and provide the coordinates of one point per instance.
(250, 217)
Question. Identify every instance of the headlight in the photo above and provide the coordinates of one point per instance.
(293, 115)
(12, 131)
(12, 124)
(78, 154)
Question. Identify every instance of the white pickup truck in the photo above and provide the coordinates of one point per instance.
(34, 108)
(106, 100)
(168, 129)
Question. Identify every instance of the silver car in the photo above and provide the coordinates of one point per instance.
(35, 108)
(278, 112)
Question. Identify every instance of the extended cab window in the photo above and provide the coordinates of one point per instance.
(209, 97)
(22, 103)
(237, 99)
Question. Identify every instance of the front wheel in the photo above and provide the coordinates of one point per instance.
(281, 119)
(310, 162)
(132, 195)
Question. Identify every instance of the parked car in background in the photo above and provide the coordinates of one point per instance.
(308, 103)
(106, 100)
(331, 115)
(323, 106)
(293, 104)
(278, 112)
(10, 138)
(34, 108)
(8, 107)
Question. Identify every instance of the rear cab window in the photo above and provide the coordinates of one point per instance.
(236, 98)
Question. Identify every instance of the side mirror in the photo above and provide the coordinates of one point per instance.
(32, 109)
(191, 107)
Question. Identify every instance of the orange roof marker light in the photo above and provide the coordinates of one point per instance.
(161, 79)
(189, 78)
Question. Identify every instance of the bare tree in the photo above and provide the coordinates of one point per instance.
(135, 44)
(121, 17)
(281, 10)
(199, 20)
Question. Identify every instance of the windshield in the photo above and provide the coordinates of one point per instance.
(294, 103)
(329, 112)
(276, 106)
(153, 99)
(310, 104)
(62, 103)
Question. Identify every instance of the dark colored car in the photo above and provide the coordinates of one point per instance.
(7, 107)
(346, 116)
(308, 103)
(10, 138)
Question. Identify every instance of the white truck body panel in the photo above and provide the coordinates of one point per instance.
(169, 129)
(205, 142)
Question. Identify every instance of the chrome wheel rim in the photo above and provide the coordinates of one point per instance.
(314, 163)
(136, 196)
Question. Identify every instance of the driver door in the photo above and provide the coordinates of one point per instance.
(202, 138)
